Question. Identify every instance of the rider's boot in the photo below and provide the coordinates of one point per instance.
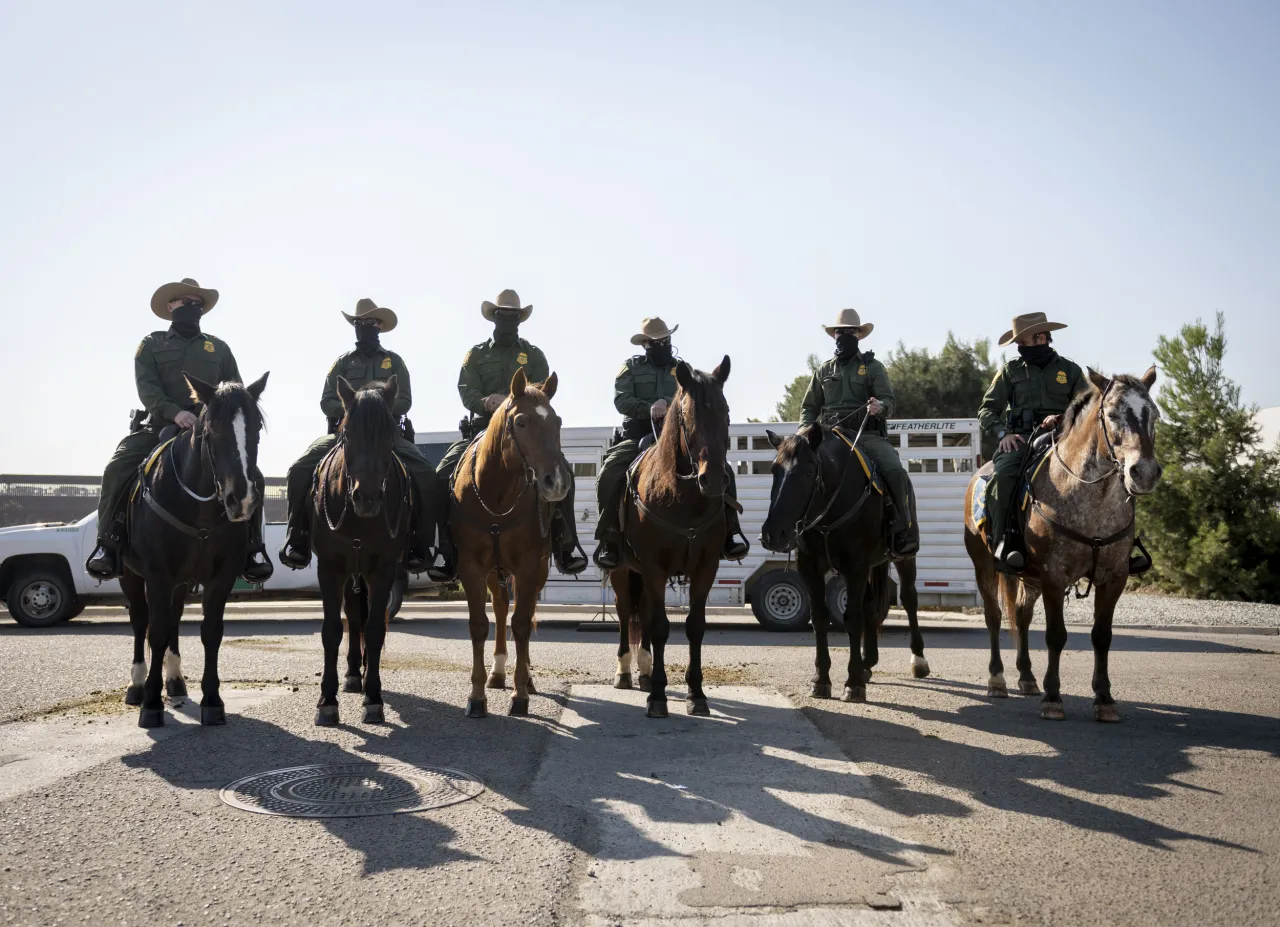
(1139, 559)
(1009, 554)
(296, 551)
(569, 557)
(104, 563)
(608, 553)
(904, 533)
(257, 565)
(446, 571)
(415, 555)
(735, 542)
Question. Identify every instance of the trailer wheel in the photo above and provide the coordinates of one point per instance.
(397, 596)
(780, 601)
(40, 598)
(837, 601)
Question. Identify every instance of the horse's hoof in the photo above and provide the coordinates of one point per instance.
(919, 667)
(496, 681)
(866, 676)
(477, 708)
(1028, 687)
(657, 709)
(353, 684)
(133, 695)
(697, 706)
(530, 687)
(644, 682)
(820, 690)
(1052, 711)
(213, 714)
(519, 707)
(854, 694)
(175, 688)
(373, 714)
(327, 716)
(1108, 713)
(622, 681)
(996, 687)
(151, 717)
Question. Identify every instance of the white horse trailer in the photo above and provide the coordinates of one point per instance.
(941, 455)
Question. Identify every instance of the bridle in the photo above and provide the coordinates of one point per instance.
(1116, 467)
(348, 502)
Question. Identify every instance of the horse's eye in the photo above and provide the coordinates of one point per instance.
(521, 421)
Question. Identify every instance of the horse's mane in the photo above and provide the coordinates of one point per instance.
(662, 483)
(369, 413)
(229, 398)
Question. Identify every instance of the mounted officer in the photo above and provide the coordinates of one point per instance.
(844, 389)
(484, 382)
(158, 367)
(643, 388)
(369, 361)
(1033, 389)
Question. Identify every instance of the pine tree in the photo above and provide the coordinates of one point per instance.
(1213, 523)
(788, 407)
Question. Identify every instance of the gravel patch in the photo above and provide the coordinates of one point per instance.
(1139, 609)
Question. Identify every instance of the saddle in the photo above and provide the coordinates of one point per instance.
(1040, 446)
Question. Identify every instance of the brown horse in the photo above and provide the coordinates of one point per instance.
(1080, 524)
(503, 492)
(674, 524)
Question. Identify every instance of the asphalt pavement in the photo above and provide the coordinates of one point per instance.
(930, 804)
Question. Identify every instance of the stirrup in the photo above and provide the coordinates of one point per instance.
(257, 571)
(571, 560)
(608, 555)
(108, 561)
(415, 559)
(735, 548)
(1010, 558)
(904, 544)
(295, 553)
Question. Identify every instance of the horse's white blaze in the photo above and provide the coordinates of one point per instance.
(788, 464)
(645, 660)
(542, 411)
(137, 674)
(172, 665)
(1135, 402)
(919, 662)
(500, 664)
(242, 447)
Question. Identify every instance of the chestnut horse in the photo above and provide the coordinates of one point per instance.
(502, 496)
(1080, 524)
(674, 524)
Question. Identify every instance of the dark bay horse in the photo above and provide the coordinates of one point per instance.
(674, 524)
(361, 500)
(1080, 524)
(823, 502)
(503, 491)
(188, 526)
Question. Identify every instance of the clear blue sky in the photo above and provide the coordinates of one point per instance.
(742, 169)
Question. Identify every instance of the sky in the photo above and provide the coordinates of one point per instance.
(741, 169)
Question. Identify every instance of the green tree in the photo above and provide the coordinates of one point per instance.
(949, 384)
(1213, 523)
(788, 408)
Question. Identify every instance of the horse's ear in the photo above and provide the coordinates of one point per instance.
(774, 440)
(390, 391)
(345, 392)
(257, 386)
(200, 390)
(549, 387)
(1149, 378)
(684, 376)
(721, 373)
(812, 434)
(1098, 380)
(518, 383)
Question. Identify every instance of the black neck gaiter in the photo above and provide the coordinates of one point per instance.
(367, 338)
(1038, 355)
(505, 331)
(659, 354)
(186, 321)
(846, 347)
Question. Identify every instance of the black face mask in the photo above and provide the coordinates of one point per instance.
(186, 318)
(1037, 355)
(659, 353)
(366, 336)
(506, 325)
(846, 347)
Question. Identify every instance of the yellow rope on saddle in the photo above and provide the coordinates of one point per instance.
(1026, 486)
(866, 468)
(151, 462)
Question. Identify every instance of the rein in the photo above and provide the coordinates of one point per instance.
(815, 524)
(191, 531)
(321, 492)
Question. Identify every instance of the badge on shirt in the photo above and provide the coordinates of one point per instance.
(522, 358)
(862, 370)
(208, 346)
(386, 363)
(1062, 377)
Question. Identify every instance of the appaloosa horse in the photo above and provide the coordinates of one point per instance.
(504, 488)
(674, 524)
(188, 526)
(824, 503)
(1080, 524)
(361, 497)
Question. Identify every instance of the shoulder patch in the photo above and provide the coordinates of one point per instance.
(625, 368)
(466, 358)
(141, 344)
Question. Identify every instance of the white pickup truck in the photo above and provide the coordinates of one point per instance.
(43, 580)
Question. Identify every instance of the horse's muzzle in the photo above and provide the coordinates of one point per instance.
(553, 486)
(240, 508)
(780, 542)
(366, 504)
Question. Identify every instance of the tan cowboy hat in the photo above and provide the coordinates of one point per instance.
(507, 299)
(653, 329)
(1030, 323)
(368, 309)
(161, 298)
(848, 318)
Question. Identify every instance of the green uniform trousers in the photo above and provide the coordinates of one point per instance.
(426, 484)
(122, 469)
(1001, 487)
(885, 456)
(612, 482)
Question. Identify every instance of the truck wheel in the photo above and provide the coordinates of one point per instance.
(397, 597)
(837, 600)
(40, 598)
(780, 601)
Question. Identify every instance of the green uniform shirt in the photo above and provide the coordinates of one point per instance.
(161, 360)
(488, 369)
(359, 369)
(838, 389)
(1022, 394)
(640, 384)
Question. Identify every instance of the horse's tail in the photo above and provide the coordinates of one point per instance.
(878, 592)
(1009, 587)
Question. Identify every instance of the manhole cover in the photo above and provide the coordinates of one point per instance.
(351, 790)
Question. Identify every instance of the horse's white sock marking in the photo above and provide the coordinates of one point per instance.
(624, 664)
(996, 681)
(645, 661)
(172, 665)
(137, 674)
(242, 447)
(919, 662)
(499, 664)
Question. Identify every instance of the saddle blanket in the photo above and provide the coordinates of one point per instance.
(1021, 492)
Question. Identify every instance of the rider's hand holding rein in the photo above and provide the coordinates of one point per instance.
(659, 408)
(185, 419)
(874, 406)
(492, 401)
(1050, 422)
